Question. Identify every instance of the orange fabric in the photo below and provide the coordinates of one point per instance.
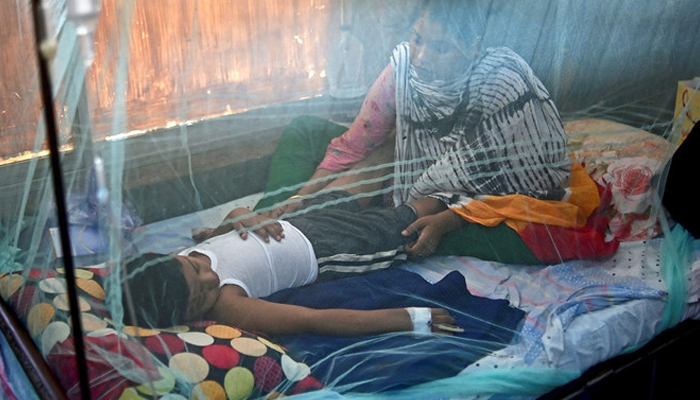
(554, 244)
(517, 211)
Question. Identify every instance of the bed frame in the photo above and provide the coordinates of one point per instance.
(35, 367)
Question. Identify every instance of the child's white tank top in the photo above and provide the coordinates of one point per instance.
(261, 268)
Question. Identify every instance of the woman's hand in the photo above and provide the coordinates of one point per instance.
(243, 220)
(430, 230)
(289, 206)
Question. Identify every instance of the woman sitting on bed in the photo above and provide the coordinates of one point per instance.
(224, 277)
(463, 122)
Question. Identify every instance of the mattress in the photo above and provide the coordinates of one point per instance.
(578, 313)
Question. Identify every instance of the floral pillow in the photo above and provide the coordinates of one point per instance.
(205, 360)
(626, 162)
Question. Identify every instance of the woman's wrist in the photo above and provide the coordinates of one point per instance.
(450, 220)
(427, 206)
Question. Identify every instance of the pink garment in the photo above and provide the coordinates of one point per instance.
(377, 118)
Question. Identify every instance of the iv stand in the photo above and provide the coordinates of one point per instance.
(45, 49)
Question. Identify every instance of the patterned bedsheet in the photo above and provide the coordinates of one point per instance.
(580, 313)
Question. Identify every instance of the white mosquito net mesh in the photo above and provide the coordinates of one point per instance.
(533, 141)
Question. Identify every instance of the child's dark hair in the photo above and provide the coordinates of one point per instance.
(158, 291)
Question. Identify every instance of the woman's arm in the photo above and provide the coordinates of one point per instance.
(243, 220)
(316, 183)
(375, 121)
(284, 319)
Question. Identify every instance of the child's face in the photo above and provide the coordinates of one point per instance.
(203, 283)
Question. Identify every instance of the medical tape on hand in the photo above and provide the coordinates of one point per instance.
(421, 317)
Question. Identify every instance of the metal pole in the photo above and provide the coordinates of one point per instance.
(44, 50)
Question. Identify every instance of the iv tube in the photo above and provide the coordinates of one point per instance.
(84, 14)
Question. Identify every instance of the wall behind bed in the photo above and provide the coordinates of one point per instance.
(600, 55)
(596, 54)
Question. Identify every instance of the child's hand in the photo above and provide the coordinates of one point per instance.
(243, 221)
(443, 322)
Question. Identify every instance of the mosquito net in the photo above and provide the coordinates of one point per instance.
(476, 199)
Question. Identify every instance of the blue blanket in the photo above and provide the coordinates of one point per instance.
(398, 360)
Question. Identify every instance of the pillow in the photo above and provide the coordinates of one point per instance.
(220, 362)
(626, 162)
(193, 360)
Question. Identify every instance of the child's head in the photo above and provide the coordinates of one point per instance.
(158, 289)
(169, 290)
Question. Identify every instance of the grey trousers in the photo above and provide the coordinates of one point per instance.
(347, 239)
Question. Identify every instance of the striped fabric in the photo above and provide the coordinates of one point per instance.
(507, 136)
(349, 263)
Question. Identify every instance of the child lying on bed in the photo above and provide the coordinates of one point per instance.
(224, 277)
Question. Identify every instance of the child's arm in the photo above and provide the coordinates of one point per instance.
(284, 319)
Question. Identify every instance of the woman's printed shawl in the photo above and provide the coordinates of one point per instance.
(507, 136)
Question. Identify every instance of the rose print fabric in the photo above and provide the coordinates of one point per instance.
(624, 161)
